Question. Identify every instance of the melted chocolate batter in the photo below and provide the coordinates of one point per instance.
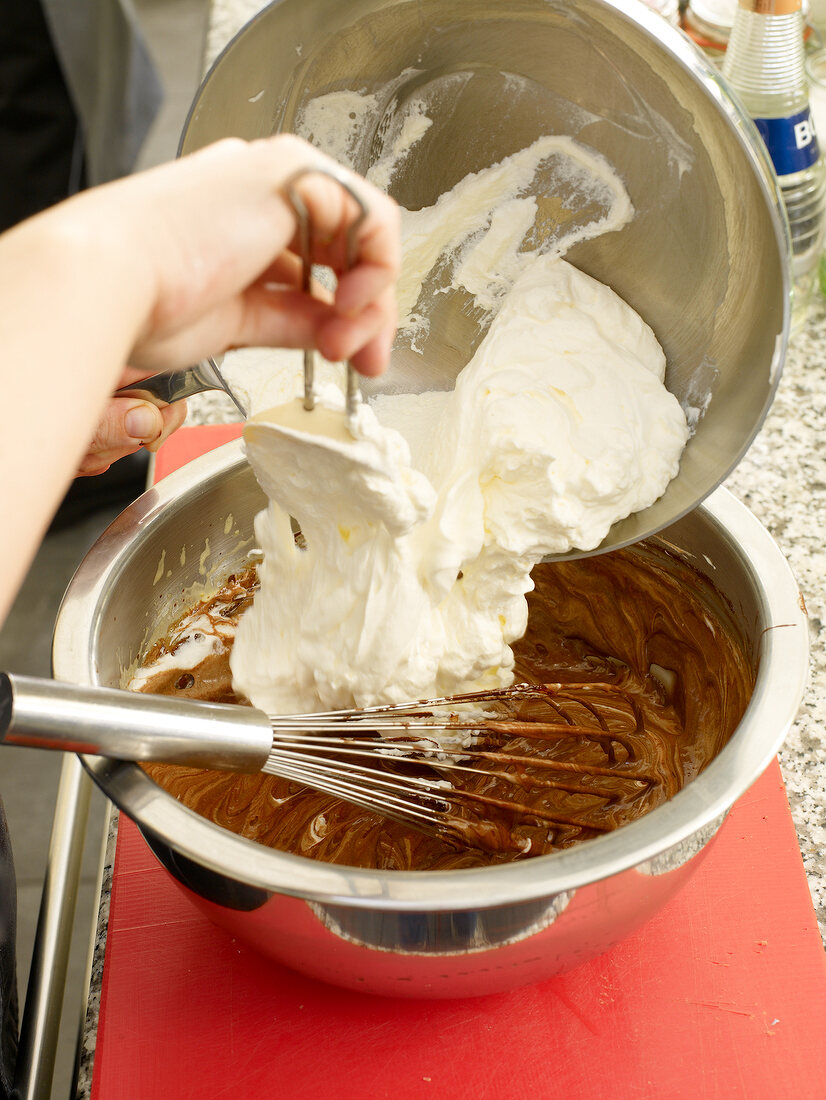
(638, 619)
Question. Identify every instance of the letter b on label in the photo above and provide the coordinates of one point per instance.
(804, 133)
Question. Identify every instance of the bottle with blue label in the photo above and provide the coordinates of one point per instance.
(765, 65)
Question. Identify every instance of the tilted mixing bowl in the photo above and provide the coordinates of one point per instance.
(416, 934)
(704, 261)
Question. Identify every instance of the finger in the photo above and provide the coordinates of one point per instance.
(98, 461)
(284, 271)
(173, 417)
(92, 467)
(365, 340)
(124, 427)
(126, 423)
(291, 319)
(374, 358)
(331, 211)
(283, 318)
(341, 337)
(358, 288)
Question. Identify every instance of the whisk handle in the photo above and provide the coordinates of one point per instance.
(127, 725)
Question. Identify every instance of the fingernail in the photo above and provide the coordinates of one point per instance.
(143, 423)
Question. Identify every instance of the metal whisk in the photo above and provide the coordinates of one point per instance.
(380, 753)
(407, 761)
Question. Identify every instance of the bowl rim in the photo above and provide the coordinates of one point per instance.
(782, 663)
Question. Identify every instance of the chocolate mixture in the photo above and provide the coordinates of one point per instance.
(638, 620)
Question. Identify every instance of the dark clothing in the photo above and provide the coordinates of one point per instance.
(110, 76)
(41, 151)
(78, 92)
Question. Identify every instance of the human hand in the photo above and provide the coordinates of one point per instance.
(127, 425)
(212, 239)
(161, 270)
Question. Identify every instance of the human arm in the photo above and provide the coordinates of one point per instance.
(158, 271)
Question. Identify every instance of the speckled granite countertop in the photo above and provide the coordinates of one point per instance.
(782, 479)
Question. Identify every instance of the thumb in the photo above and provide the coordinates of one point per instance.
(126, 424)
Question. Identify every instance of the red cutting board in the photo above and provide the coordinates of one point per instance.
(721, 995)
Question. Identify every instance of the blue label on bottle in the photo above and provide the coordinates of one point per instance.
(792, 142)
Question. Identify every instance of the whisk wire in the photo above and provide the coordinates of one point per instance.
(411, 763)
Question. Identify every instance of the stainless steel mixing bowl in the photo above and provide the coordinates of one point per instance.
(416, 934)
(705, 259)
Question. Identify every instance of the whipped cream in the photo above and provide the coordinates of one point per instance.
(334, 622)
(413, 584)
(484, 223)
(197, 639)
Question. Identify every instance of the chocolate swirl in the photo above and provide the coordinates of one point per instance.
(639, 619)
